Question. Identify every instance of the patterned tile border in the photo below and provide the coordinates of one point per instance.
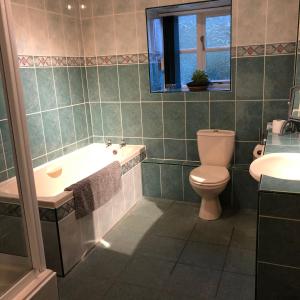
(281, 48)
(55, 215)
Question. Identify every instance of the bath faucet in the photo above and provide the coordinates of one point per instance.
(123, 143)
(108, 143)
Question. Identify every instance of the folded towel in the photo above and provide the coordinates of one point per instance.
(94, 191)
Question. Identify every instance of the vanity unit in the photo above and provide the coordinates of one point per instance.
(278, 231)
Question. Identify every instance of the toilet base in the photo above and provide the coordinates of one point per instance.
(210, 209)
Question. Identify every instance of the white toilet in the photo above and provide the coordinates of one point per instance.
(215, 149)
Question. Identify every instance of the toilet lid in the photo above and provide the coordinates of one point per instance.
(209, 175)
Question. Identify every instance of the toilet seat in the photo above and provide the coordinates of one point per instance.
(209, 175)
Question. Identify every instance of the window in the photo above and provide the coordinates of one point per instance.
(204, 43)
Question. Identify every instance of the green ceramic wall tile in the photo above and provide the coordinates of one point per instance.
(83, 143)
(175, 149)
(39, 161)
(171, 181)
(279, 76)
(93, 85)
(222, 115)
(134, 141)
(111, 119)
(151, 180)
(76, 85)
(70, 148)
(2, 158)
(244, 152)
(3, 114)
(129, 83)
(108, 78)
(131, 119)
(7, 143)
(89, 119)
(96, 119)
(192, 150)
(196, 118)
(248, 120)
(152, 120)
(66, 118)
(174, 120)
(36, 135)
(197, 96)
(84, 84)
(54, 154)
(80, 122)
(52, 130)
(30, 91)
(250, 78)
(61, 79)
(154, 148)
(173, 96)
(275, 110)
(144, 84)
(46, 88)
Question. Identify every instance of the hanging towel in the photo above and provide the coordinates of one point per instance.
(94, 191)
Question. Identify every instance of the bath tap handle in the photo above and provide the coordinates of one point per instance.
(108, 143)
(123, 143)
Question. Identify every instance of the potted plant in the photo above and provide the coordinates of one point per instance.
(199, 81)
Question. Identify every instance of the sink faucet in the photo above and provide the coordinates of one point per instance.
(288, 126)
(108, 143)
(123, 143)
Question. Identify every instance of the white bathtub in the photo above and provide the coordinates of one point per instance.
(53, 177)
(67, 239)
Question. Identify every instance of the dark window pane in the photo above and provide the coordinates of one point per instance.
(218, 31)
(187, 31)
(188, 64)
(218, 65)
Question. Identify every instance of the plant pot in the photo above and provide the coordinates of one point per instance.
(196, 88)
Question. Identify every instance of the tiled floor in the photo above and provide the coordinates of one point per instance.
(162, 250)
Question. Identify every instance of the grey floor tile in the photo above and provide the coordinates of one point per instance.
(147, 272)
(176, 296)
(212, 232)
(124, 291)
(204, 255)
(236, 287)
(240, 261)
(190, 281)
(244, 239)
(183, 210)
(161, 247)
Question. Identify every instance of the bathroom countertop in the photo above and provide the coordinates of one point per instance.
(290, 143)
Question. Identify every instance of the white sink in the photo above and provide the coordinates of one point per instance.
(278, 165)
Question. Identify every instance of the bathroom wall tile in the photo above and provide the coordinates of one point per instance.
(126, 39)
(84, 84)
(244, 152)
(104, 7)
(251, 22)
(39, 32)
(96, 119)
(154, 148)
(189, 194)
(36, 135)
(152, 120)
(278, 242)
(62, 87)
(151, 180)
(89, 120)
(275, 110)
(175, 149)
(111, 119)
(279, 76)
(281, 13)
(74, 11)
(196, 118)
(66, 118)
(80, 122)
(92, 82)
(88, 11)
(171, 181)
(52, 130)
(53, 6)
(248, 120)
(129, 83)
(244, 189)
(144, 85)
(250, 72)
(142, 4)
(105, 35)
(3, 114)
(30, 92)
(55, 154)
(88, 37)
(174, 120)
(6, 138)
(76, 85)
(192, 150)
(197, 96)
(222, 115)
(131, 119)
(2, 159)
(173, 96)
(123, 6)
(141, 32)
(108, 78)
(56, 38)
(72, 35)
(46, 88)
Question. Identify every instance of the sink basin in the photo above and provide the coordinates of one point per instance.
(278, 165)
